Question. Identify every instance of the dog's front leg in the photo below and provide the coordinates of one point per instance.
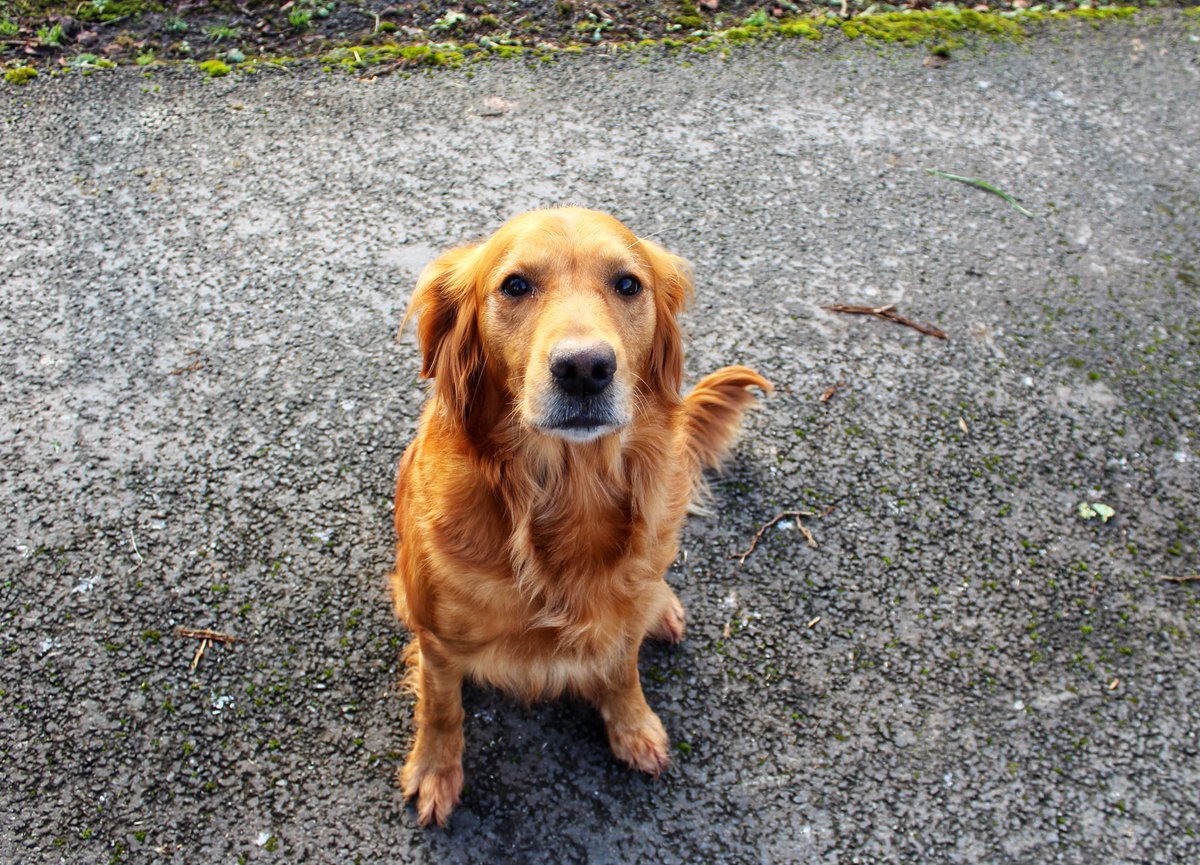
(433, 772)
(635, 734)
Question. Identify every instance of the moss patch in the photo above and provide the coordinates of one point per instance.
(359, 57)
(800, 28)
(912, 28)
(20, 75)
(1102, 13)
(214, 68)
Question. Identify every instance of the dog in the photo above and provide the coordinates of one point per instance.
(539, 505)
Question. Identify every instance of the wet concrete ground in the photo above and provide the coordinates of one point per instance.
(204, 400)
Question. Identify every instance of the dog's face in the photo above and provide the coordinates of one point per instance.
(565, 315)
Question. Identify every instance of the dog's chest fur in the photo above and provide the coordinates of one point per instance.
(575, 579)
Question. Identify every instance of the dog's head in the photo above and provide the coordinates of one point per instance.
(563, 319)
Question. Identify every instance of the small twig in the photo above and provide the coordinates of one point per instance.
(887, 313)
(206, 634)
(814, 622)
(381, 70)
(830, 391)
(812, 542)
(191, 367)
(136, 552)
(1189, 578)
(200, 650)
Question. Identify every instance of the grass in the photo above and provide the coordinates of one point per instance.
(984, 185)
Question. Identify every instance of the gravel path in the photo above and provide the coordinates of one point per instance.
(203, 403)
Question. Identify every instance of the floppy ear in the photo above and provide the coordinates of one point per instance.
(447, 326)
(672, 291)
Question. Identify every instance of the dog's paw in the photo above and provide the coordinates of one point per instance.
(671, 626)
(436, 791)
(643, 747)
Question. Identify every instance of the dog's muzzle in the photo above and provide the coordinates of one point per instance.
(583, 404)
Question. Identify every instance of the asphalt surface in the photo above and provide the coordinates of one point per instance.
(204, 401)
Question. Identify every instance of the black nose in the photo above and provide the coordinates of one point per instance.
(583, 371)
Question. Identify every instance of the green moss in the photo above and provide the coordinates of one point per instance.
(689, 16)
(357, 57)
(1103, 13)
(111, 10)
(911, 28)
(20, 75)
(506, 50)
(740, 34)
(801, 28)
(214, 68)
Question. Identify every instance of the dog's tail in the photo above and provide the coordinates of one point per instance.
(714, 411)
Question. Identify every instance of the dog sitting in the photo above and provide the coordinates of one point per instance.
(539, 506)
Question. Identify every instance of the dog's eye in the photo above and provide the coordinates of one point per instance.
(628, 286)
(515, 286)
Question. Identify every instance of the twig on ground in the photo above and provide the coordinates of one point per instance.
(887, 313)
(200, 650)
(830, 391)
(1188, 578)
(808, 536)
(191, 367)
(206, 634)
(136, 551)
(383, 69)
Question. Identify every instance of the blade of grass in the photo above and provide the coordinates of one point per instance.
(984, 185)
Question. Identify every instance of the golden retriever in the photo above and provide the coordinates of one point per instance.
(539, 505)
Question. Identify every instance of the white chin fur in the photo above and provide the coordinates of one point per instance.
(580, 435)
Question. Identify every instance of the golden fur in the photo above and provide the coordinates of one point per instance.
(535, 525)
